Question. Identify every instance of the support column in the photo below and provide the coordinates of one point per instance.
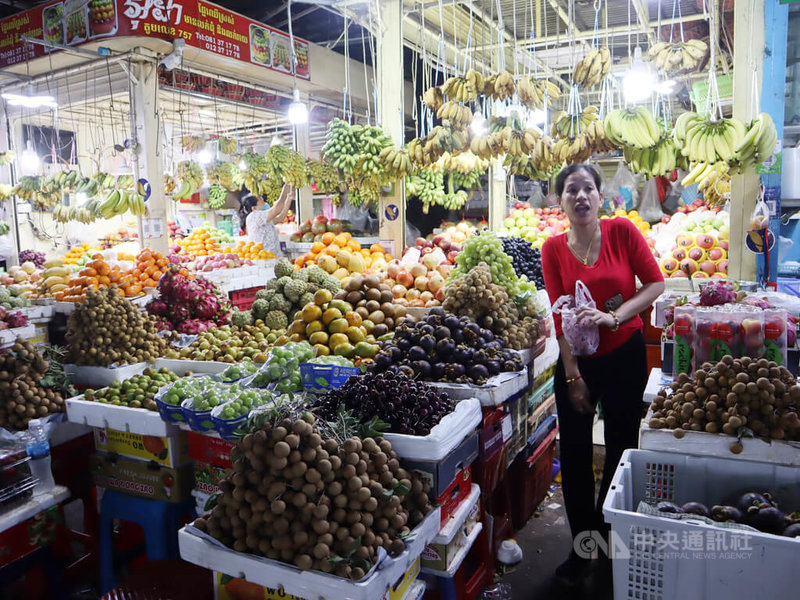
(153, 230)
(497, 194)
(392, 207)
(304, 207)
(773, 102)
(747, 51)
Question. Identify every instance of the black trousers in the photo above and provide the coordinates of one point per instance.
(617, 381)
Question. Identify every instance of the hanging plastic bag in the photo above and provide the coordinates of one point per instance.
(6, 245)
(621, 191)
(650, 207)
(583, 338)
(760, 218)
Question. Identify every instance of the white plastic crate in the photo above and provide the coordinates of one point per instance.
(494, 392)
(659, 558)
(121, 418)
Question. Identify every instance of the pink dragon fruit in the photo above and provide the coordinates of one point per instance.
(158, 308)
(717, 292)
(16, 319)
(207, 308)
(756, 301)
(163, 324)
(178, 313)
(194, 326)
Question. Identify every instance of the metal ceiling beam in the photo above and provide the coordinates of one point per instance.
(296, 17)
(643, 16)
(275, 11)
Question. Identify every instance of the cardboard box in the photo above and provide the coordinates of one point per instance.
(450, 499)
(439, 557)
(210, 449)
(146, 479)
(207, 477)
(239, 589)
(441, 474)
(170, 451)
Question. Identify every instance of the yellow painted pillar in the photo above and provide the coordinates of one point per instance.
(748, 21)
(392, 207)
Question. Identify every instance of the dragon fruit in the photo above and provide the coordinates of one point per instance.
(756, 301)
(178, 313)
(207, 308)
(717, 292)
(16, 319)
(158, 308)
(194, 326)
(163, 324)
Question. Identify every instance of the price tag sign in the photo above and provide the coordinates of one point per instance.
(507, 428)
(152, 228)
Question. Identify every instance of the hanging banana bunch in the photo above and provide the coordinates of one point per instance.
(679, 57)
(7, 157)
(533, 93)
(6, 191)
(465, 163)
(636, 128)
(254, 173)
(193, 143)
(190, 175)
(169, 184)
(593, 67)
(566, 125)
(659, 159)
(707, 141)
(227, 145)
(457, 115)
(500, 86)
(119, 201)
(427, 186)
(396, 163)
(324, 175)
(216, 196)
(758, 143)
(341, 146)
(716, 185)
(226, 174)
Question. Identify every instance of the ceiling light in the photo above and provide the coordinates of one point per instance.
(29, 161)
(204, 157)
(298, 112)
(478, 126)
(30, 101)
(639, 82)
(242, 165)
(667, 87)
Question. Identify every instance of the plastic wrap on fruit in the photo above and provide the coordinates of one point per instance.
(583, 338)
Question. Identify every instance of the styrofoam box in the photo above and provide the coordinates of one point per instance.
(718, 444)
(182, 367)
(459, 517)
(730, 563)
(9, 336)
(98, 377)
(121, 418)
(655, 383)
(312, 585)
(459, 558)
(37, 312)
(494, 392)
(443, 438)
(547, 358)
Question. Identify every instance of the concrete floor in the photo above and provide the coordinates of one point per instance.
(546, 541)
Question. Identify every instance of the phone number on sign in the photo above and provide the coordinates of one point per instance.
(213, 44)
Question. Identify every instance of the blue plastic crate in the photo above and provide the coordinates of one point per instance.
(321, 378)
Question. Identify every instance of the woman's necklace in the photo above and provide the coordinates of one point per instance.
(585, 259)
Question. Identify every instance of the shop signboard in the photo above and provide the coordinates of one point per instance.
(201, 24)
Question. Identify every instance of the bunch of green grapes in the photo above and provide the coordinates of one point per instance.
(487, 247)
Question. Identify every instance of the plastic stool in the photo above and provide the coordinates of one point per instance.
(165, 579)
(159, 519)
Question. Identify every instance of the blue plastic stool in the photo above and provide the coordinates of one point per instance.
(159, 519)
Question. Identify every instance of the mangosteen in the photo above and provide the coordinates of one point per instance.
(457, 335)
(493, 366)
(427, 329)
(452, 323)
(445, 347)
(792, 530)
(404, 344)
(457, 370)
(493, 345)
(696, 508)
(752, 499)
(383, 360)
(441, 333)
(487, 335)
(396, 353)
(726, 514)
(768, 519)
(421, 368)
(436, 311)
(427, 342)
(438, 370)
(406, 370)
(479, 373)
(416, 353)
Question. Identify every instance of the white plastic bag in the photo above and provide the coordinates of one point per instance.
(622, 190)
(583, 338)
(650, 206)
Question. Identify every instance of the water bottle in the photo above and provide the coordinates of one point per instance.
(39, 451)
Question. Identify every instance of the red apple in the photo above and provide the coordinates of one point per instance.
(420, 242)
(722, 266)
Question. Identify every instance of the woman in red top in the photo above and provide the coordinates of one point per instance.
(607, 255)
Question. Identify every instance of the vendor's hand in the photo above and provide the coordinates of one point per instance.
(580, 397)
(588, 315)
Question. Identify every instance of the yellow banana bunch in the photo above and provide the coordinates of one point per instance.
(458, 89)
(678, 57)
(716, 185)
(227, 145)
(463, 163)
(705, 141)
(458, 115)
(396, 163)
(636, 128)
(433, 98)
(6, 191)
(193, 143)
(500, 86)
(82, 214)
(519, 142)
(757, 144)
(593, 67)
(533, 92)
(596, 134)
(169, 184)
(566, 125)
(488, 146)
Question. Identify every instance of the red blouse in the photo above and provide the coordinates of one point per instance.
(624, 255)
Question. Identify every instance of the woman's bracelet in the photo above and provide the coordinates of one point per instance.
(574, 379)
(616, 320)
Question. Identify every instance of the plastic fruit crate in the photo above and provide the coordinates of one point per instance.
(660, 558)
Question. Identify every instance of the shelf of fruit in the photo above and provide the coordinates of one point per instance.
(534, 224)
(341, 255)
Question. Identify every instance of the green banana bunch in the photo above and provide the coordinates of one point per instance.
(637, 128)
(7, 157)
(341, 147)
(4, 228)
(191, 177)
(757, 144)
(227, 145)
(427, 186)
(125, 181)
(216, 196)
(256, 168)
(287, 166)
(225, 174)
(662, 158)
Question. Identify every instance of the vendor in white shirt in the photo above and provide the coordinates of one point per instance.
(259, 218)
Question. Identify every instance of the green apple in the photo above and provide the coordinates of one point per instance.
(508, 222)
(529, 212)
(533, 221)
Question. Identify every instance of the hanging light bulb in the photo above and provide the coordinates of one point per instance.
(204, 157)
(478, 126)
(639, 82)
(242, 165)
(298, 112)
(29, 161)
(29, 100)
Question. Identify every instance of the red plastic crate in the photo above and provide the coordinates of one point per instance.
(474, 574)
(209, 449)
(243, 299)
(534, 474)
